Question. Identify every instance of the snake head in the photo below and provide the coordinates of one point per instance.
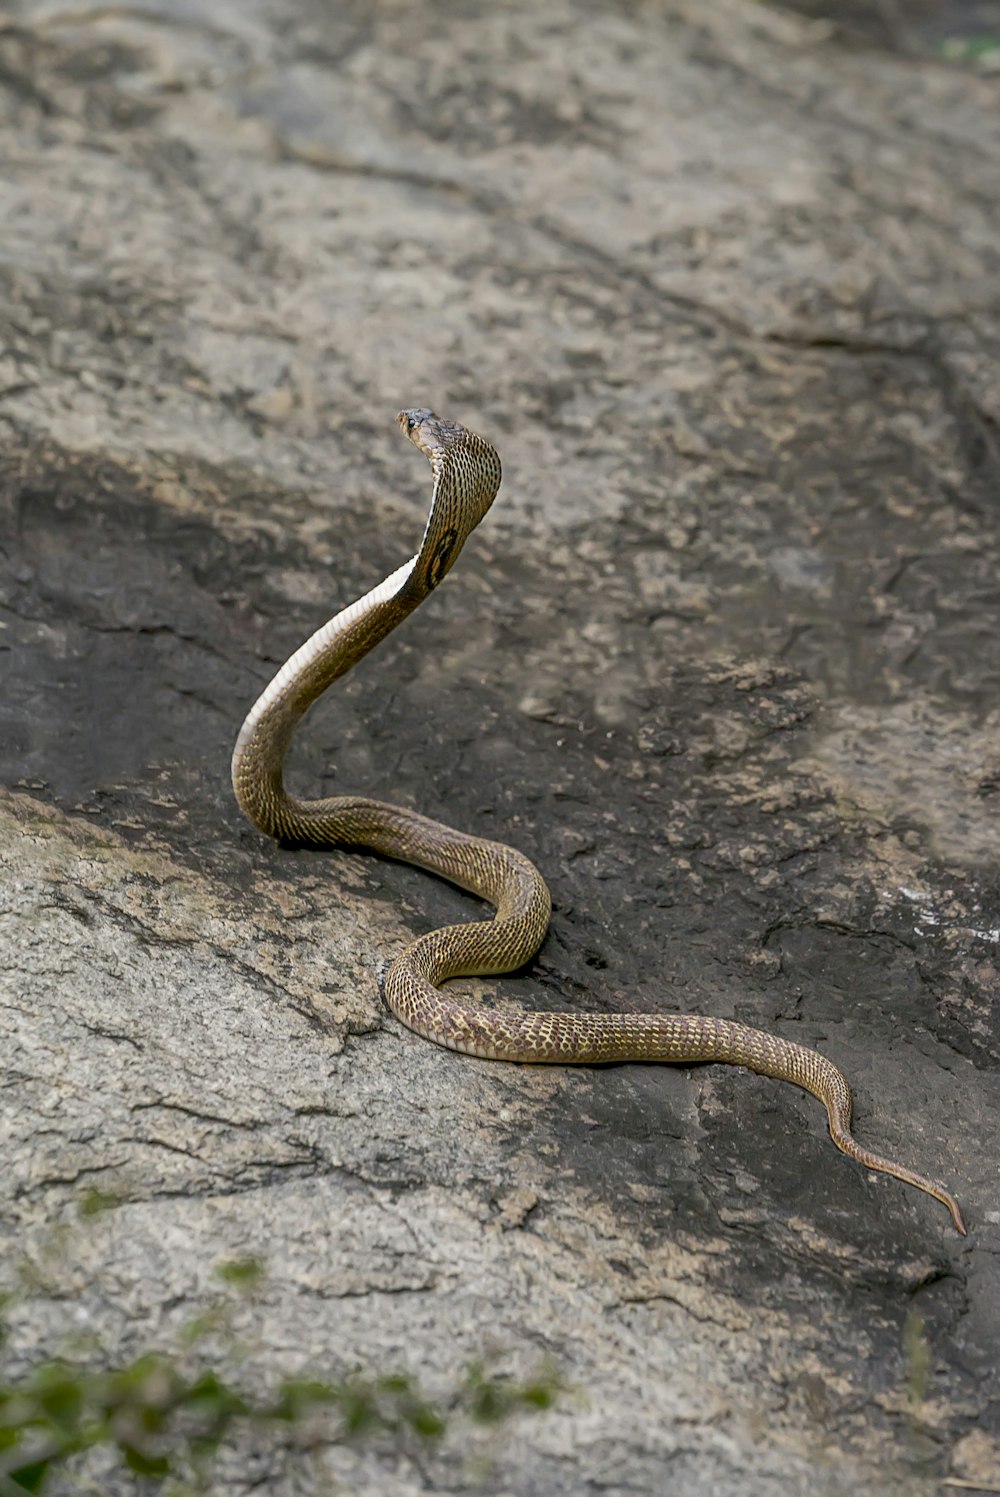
(466, 473)
(428, 432)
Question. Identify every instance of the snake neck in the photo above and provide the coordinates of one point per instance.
(266, 735)
(466, 477)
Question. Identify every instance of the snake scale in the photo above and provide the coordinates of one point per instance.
(466, 477)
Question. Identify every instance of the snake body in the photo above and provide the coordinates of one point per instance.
(466, 477)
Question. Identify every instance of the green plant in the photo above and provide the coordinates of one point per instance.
(981, 50)
(167, 1414)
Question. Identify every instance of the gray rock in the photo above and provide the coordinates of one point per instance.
(720, 282)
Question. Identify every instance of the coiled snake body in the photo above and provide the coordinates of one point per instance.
(466, 477)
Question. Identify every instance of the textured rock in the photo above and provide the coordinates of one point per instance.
(720, 283)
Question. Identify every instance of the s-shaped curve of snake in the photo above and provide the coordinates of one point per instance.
(466, 477)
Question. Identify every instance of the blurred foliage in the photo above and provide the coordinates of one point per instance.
(981, 51)
(167, 1414)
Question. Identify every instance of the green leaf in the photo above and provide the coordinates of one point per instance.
(31, 1476)
(243, 1273)
(539, 1395)
(297, 1396)
(59, 1395)
(427, 1422)
(95, 1201)
(215, 1319)
(395, 1382)
(214, 1400)
(360, 1410)
(145, 1465)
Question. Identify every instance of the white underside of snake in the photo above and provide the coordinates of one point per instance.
(466, 477)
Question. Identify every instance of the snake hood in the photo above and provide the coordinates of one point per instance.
(467, 473)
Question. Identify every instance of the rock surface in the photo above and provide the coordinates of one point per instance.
(720, 282)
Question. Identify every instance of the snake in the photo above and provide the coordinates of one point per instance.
(466, 473)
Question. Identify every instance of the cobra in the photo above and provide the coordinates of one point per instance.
(466, 476)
